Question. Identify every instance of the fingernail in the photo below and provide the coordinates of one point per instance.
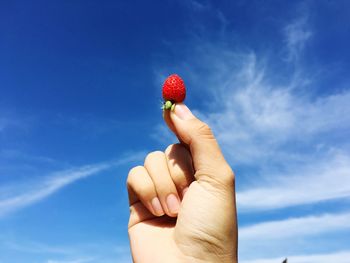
(157, 207)
(173, 203)
(184, 191)
(183, 112)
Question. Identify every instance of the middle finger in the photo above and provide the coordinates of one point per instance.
(157, 167)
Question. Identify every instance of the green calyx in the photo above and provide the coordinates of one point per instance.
(168, 105)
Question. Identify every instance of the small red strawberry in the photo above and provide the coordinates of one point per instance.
(174, 91)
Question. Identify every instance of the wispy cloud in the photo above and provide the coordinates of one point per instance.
(295, 235)
(339, 257)
(320, 180)
(297, 34)
(258, 118)
(34, 191)
(47, 186)
(295, 227)
(13, 154)
(10, 121)
(106, 252)
(36, 248)
(199, 5)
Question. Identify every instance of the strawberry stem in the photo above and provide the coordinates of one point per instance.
(167, 105)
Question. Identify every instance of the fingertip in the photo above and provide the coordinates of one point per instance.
(173, 204)
(157, 207)
(182, 112)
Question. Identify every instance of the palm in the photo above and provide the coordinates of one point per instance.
(155, 237)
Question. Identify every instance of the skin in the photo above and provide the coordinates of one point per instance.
(198, 223)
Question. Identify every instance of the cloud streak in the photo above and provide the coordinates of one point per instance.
(36, 248)
(297, 34)
(295, 227)
(45, 187)
(321, 180)
(68, 253)
(257, 119)
(295, 235)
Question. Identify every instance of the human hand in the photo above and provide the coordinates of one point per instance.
(172, 223)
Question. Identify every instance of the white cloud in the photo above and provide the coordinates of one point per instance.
(325, 179)
(36, 248)
(297, 34)
(295, 227)
(338, 257)
(10, 121)
(47, 186)
(12, 154)
(19, 196)
(313, 233)
(94, 252)
(256, 118)
(199, 6)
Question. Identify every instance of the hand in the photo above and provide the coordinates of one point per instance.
(182, 201)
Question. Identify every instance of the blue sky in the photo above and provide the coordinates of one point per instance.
(80, 92)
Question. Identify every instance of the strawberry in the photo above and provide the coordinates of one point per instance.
(174, 91)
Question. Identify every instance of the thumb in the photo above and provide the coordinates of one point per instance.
(208, 160)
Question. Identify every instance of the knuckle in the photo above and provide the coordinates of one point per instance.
(153, 155)
(204, 130)
(170, 148)
(135, 170)
(223, 176)
(178, 178)
(228, 175)
(142, 187)
(132, 173)
(164, 191)
(181, 178)
(146, 191)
